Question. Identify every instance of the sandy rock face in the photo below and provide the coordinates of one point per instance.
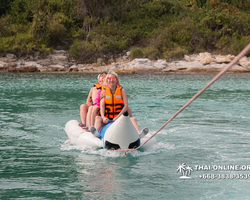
(60, 61)
(245, 62)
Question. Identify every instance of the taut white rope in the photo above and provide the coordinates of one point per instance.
(233, 62)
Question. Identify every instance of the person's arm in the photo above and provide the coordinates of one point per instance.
(89, 98)
(125, 101)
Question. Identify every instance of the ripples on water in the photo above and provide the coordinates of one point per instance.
(38, 162)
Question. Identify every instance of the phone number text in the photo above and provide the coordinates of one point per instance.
(224, 176)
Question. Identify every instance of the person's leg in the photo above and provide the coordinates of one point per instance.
(95, 111)
(134, 122)
(98, 124)
(83, 113)
(129, 111)
(143, 132)
(89, 115)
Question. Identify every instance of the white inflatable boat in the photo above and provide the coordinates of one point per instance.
(118, 135)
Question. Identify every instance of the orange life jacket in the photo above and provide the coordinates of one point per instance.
(113, 102)
(98, 86)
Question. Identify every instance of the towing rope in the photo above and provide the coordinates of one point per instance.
(233, 62)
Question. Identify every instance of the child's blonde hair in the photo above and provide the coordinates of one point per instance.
(101, 74)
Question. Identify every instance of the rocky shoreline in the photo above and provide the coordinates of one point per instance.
(60, 61)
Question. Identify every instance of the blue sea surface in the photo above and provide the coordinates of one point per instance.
(37, 161)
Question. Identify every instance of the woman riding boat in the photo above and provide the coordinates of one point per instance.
(113, 103)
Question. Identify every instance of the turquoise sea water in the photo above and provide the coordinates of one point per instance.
(38, 162)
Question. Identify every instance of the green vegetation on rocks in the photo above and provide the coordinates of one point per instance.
(92, 29)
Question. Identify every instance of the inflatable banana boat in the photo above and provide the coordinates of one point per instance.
(120, 134)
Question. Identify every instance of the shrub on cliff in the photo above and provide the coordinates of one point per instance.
(84, 51)
(136, 53)
(149, 52)
(108, 28)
